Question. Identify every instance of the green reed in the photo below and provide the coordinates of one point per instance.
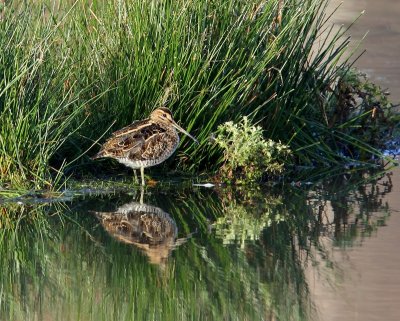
(75, 70)
(38, 111)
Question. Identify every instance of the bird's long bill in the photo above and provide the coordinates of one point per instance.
(184, 131)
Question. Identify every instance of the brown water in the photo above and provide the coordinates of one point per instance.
(380, 24)
(366, 282)
(366, 285)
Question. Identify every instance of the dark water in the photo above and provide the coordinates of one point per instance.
(283, 253)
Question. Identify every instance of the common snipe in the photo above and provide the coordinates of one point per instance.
(144, 143)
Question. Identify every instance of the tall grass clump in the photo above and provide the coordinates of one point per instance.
(203, 59)
(74, 70)
(219, 61)
(37, 107)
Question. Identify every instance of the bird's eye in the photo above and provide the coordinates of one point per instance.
(164, 115)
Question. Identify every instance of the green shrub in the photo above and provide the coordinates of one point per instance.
(247, 155)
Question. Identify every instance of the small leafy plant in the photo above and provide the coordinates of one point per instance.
(247, 155)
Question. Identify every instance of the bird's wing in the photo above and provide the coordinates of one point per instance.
(156, 144)
(132, 141)
(128, 129)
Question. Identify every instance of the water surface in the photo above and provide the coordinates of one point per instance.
(295, 252)
(379, 30)
(368, 286)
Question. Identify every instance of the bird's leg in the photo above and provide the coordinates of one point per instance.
(142, 174)
(141, 194)
(135, 178)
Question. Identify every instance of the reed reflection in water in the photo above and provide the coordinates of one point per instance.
(248, 260)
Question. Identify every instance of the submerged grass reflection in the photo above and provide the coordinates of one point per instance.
(243, 257)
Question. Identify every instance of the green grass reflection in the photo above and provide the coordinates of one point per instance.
(243, 256)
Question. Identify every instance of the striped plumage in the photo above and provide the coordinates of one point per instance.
(144, 143)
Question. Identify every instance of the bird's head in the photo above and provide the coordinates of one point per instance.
(163, 115)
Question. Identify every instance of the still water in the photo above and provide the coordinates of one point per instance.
(299, 252)
(379, 29)
(367, 286)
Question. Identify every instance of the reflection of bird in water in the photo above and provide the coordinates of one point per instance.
(145, 226)
(144, 143)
